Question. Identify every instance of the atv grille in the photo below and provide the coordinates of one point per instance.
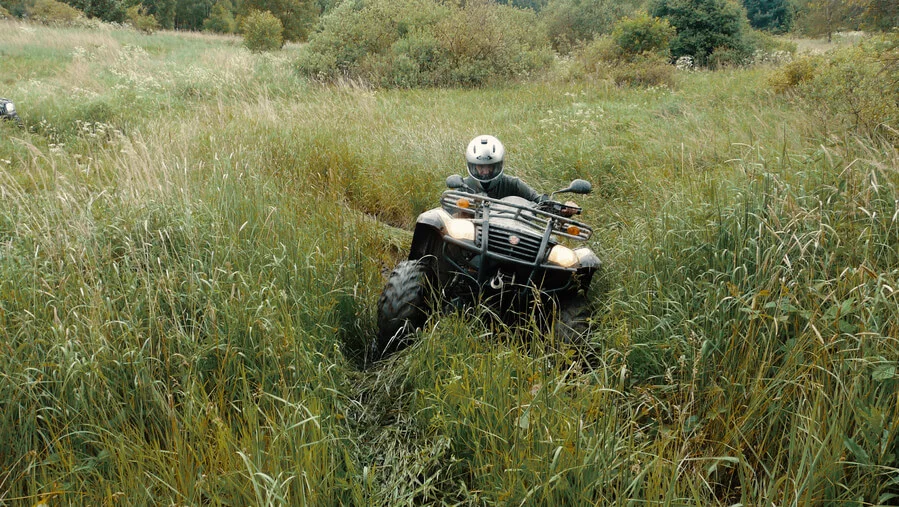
(501, 241)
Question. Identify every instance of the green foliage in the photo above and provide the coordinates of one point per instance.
(858, 85)
(880, 15)
(787, 77)
(163, 11)
(646, 70)
(603, 59)
(106, 10)
(139, 19)
(4, 14)
(634, 54)
(190, 14)
(53, 12)
(570, 23)
(705, 27)
(422, 43)
(262, 31)
(17, 8)
(221, 18)
(296, 16)
(642, 34)
(774, 16)
(824, 17)
(534, 5)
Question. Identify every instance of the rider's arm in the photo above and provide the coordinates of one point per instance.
(522, 189)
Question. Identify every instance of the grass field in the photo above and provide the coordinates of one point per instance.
(192, 242)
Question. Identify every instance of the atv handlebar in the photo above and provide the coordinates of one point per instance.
(558, 208)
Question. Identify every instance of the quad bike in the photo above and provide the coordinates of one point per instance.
(8, 111)
(506, 253)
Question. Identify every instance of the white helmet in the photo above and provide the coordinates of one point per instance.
(485, 158)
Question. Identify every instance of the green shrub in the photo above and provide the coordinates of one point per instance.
(105, 10)
(221, 18)
(646, 70)
(727, 57)
(643, 34)
(404, 43)
(53, 12)
(704, 27)
(792, 74)
(571, 23)
(139, 19)
(415, 60)
(635, 54)
(858, 85)
(4, 14)
(296, 16)
(262, 31)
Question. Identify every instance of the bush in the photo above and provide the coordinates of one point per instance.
(635, 54)
(643, 34)
(794, 73)
(572, 23)
(646, 70)
(139, 19)
(262, 31)
(53, 12)
(4, 14)
(405, 43)
(857, 85)
(106, 10)
(221, 18)
(704, 27)
(296, 16)
(727, 57)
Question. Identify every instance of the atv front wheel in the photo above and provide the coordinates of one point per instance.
(573, 320)
(403, 306)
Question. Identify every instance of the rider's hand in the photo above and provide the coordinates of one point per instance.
(570, 208)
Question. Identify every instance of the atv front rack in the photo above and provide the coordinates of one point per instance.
(479, 208)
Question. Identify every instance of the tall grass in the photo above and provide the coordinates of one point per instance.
(191, 245)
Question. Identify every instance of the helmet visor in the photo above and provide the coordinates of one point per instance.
(485, 172)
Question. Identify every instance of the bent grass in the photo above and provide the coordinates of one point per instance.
(191, 251)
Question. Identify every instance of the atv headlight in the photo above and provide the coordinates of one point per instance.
(10, 108)
(563, 256)
(460, 229)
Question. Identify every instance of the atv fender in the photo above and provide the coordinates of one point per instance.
(429, 230)
(587, 259)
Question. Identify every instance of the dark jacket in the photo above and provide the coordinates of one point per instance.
(505, 186)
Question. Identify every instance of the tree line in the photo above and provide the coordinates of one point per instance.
(569, 21)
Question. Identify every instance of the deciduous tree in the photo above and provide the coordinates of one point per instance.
(824, 17)
(221, 18)
(296, 16)
(189, 14)
(879, 15)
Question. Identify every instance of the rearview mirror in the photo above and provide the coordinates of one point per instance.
(578, 187)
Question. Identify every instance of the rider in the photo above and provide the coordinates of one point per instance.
(485, 156)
